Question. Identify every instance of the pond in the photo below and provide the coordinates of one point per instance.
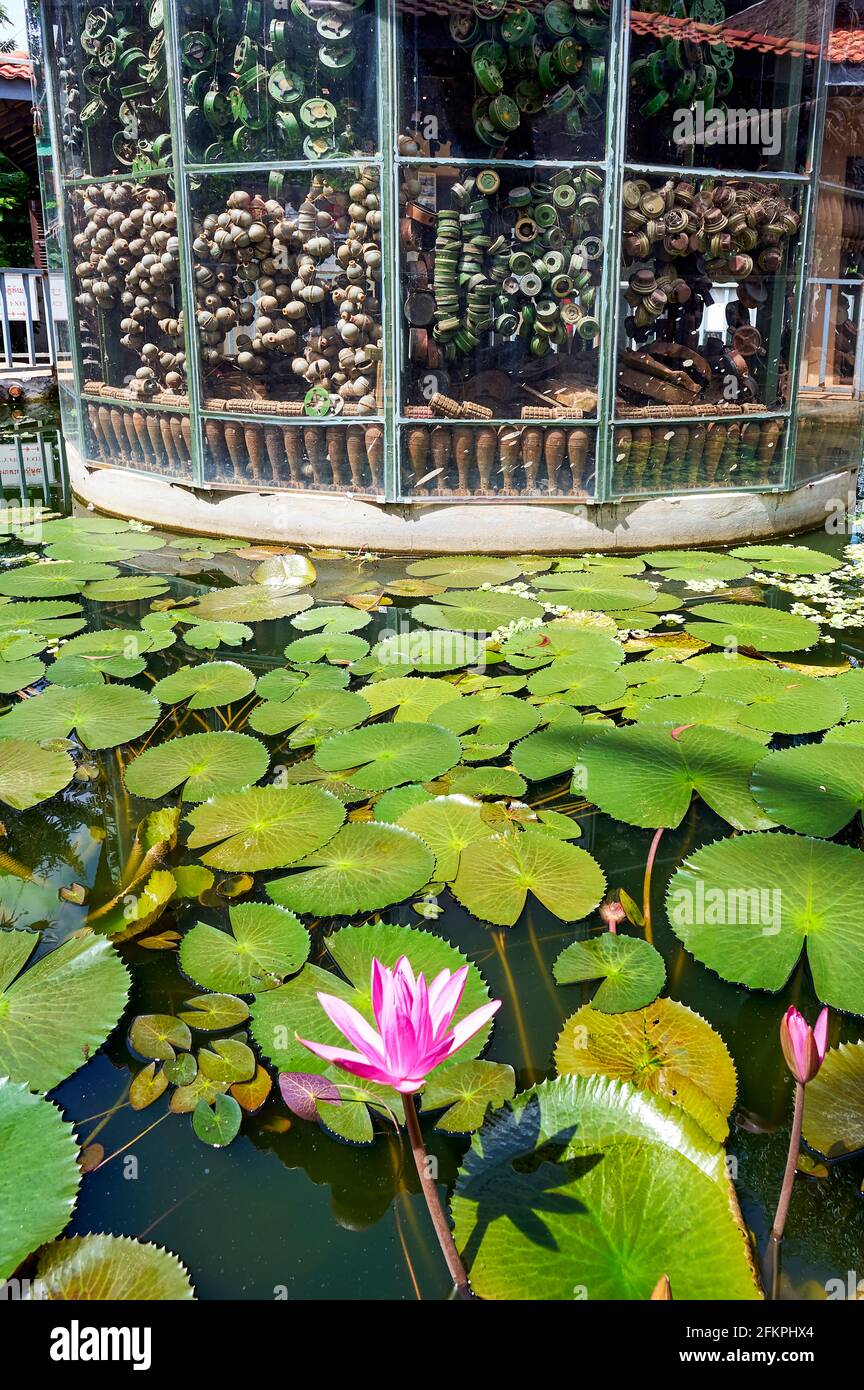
(566, 709)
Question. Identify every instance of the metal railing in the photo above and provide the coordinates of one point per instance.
(33, 466)
(27, 317)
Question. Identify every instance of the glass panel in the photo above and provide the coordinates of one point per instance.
(126, 266)
(111, 86)
(323, 458)
(708, 296)
(260, 78)
(829, 436)
(723, 85)
(458, 459)
(139, 436)
(674, 456)
(491, 78)
(287, 272)
(501, 272)
(832, 343)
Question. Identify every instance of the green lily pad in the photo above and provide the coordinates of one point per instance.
(207, 634)
(404, 652)
(654, 679)
(30, 774)
(204, 764)
(457, 571)
(17, 675)
(288, 571)
(266, 945)
(643, 776)
(578, 684)
(128, 588)
(748, 906)
(210, 1013)
(747, 625)
(60, 1010)
(110, 1268)
(42, 617)
(364, 867)
(383, 755)
(834, 1103)
(85, 659)
(552, 1198)
(335, 619)
(664, 1048)
(414, 698)
(468, 1088)
(102, 716)
(815, 788)
(486, 724)
(218, 1124)
(326, 646)
(39, 1173)
(311, 713)
(248, 603)
(390, 806)
(51, 578)
(631, 972)
(264, 827)
(565, 640)
(497, 873)
(207, 685)
(158, 1036)
(708, 711)
(851, 686)
(482, 781)
(778, 701)
(475, 610)
(283, 682)
(786, 559)
(549, 752)
(447, 824)
(696, 564)
(597, 591)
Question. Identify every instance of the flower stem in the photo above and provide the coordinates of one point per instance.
(786, 1190)
(646, 886)
(433, 1201)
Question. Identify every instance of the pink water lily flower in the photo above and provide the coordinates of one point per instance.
(803, 1047)
(414, 1033)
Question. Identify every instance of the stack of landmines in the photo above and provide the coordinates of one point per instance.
(513, 460)
(668, 458)
(320, 457)
(152, 440)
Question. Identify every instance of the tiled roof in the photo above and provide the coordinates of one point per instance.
(16, 66)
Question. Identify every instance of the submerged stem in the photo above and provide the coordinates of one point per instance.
(786, 1190)
(433, 1201)
(646, 885)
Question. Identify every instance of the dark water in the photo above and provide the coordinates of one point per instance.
(296, 1213)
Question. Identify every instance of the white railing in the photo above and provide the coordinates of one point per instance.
(27, 300)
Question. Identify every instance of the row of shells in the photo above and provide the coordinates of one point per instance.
(292, 298)
(514, 460)
(127, 257)
(151, 440)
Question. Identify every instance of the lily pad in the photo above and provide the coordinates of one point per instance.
(447, 824)
(311, 713)
(390, 806)
(468, 1089)
(664, 1048)
(102, 716)
(287, 572)
(335, 619)
(747, 907)
(404, 652)
(266, 945)
(248, 603)
(815, 788)
(551, 1201)
(110, 1268)
(264, 827)
(834, 1103)
(58, 1012)
(708, 711)
(218, 1124)
(643, 776)
(39, 1174)
(487, 724)
(414, 698)
(364, 867)
(778, 701)
(210, 1013)
(207, 685)
(30, 774)
(158, 1036)
(631, 972)
(476, 610)
(786, 559)
(203, 764)
(456, 571)
(851, 686)
(326, 646)
(578, 684)
(128, 588)
(51, 578)
(383, 755)
(549, 752)
(596, 591)
(496, 875)
(696, 564)
(17, 675)
(746, 625)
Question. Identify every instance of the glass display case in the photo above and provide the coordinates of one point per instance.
(570, 252)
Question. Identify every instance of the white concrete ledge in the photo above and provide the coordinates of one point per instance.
(441, 528)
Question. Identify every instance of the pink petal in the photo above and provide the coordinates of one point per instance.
(820, 1034)
(467, 1027)
(354, 1026)
(350, 1062)
(446, 999)
(380, 975)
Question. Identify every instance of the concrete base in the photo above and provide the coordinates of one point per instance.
(493, 528)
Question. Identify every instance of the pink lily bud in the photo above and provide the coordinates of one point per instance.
(612, 913)
(803, 1047)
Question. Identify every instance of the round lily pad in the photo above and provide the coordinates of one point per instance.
(447, 824)
(264, 827)
(748, 625)
(365, 866)
(383, 755)
(39, 1173)
(834, 1103)
(496, 874)
(203, 764)
(207, 685)
(266, 944)
(311, 713)
(631, 972)
(815, 788)
(110, 1268)
(786, 559)
(102, 716)
(30, 774)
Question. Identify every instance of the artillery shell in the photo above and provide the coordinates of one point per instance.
(463, 446)
(316, 452)
(486, 442)
(374, 440)
(532, 452)
(336, 454)
(356, 446)
(417, 443)
(553, 451)
(235, 444)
